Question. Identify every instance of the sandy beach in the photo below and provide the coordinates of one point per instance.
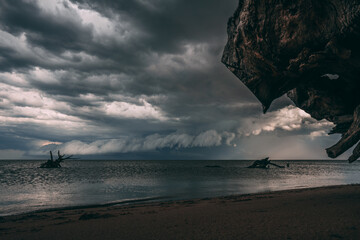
(317, 213)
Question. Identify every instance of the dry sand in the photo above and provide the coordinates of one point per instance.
(318, 213)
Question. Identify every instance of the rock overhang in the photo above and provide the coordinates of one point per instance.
(307, 49)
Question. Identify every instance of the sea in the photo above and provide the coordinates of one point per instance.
(24, 187)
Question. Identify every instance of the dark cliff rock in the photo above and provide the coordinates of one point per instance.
(308, 49)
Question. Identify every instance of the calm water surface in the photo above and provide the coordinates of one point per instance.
(24, 187)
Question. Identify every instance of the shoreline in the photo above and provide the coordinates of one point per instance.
(124, 202)
(329, 212)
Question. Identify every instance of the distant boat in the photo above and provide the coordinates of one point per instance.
(55, 163)
(264, 163)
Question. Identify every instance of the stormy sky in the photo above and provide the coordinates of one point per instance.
(139, 79)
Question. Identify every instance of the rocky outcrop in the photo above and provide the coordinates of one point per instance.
(308, 49)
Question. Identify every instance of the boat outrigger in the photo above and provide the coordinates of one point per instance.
(51, 163)
(264, 163)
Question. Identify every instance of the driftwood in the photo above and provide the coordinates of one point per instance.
(54, 163)
(264, 163)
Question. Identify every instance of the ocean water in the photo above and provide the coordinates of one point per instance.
(25, 188)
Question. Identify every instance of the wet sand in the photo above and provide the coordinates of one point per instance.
(318, 213)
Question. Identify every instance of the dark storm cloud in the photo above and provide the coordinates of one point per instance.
(60, 32)
(125, 77)
(168, 23)
(165, 27)
(43, 29)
